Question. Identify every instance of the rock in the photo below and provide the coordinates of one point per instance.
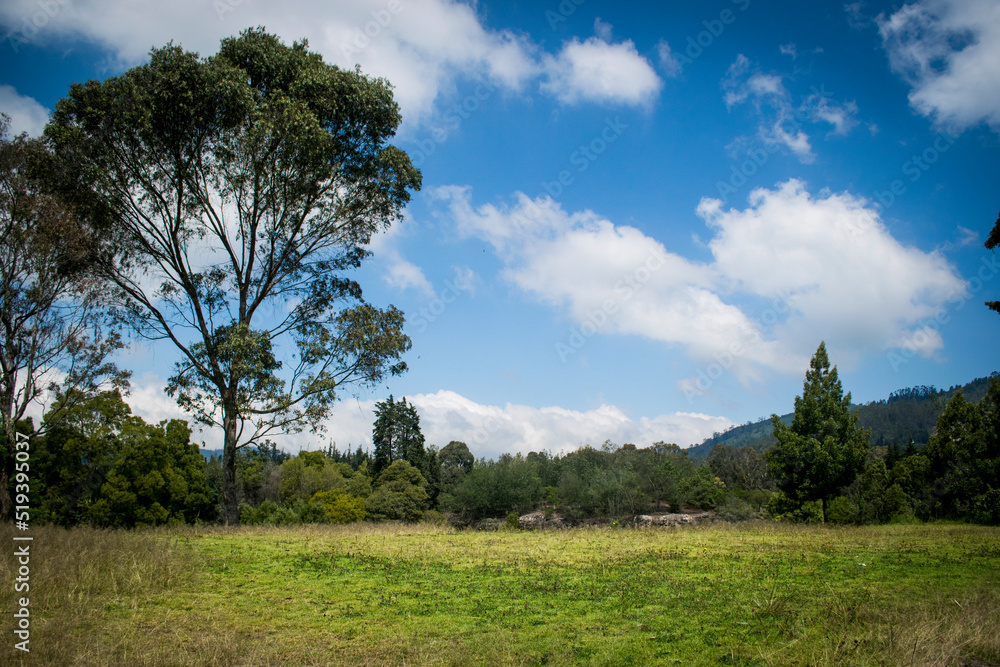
(541, 519)
(673, 519)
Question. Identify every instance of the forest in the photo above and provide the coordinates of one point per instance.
(104, 467)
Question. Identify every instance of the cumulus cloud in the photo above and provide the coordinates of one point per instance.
(831, 267)
(26, 114)
(836, 266)
(782, 120)
(491, 430)
(597, 70)
(949, 52)
(423, 47)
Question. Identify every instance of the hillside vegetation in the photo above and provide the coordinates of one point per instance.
(907, 415)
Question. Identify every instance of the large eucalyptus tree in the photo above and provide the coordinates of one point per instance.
(241, 189)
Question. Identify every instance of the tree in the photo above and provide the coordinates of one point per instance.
(50, 314)
(104, 466)
(456, 461)
(396, 436)
(823, 449)
(401, 494)
(964, 459)
(242, 188)
(991, 243)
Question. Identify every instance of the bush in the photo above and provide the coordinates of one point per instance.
(733, 508)
(273, 514)
(346, 509)
(842, 510)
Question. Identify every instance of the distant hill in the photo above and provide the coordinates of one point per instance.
(907, 414)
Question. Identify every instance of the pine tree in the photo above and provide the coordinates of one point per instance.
(823, 450)
(397, 437)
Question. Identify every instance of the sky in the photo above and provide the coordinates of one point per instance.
(638, 220)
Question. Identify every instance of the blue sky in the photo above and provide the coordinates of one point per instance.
(638, 220)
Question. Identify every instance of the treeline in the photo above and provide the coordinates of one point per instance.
(103, 466)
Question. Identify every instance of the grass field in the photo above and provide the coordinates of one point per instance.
(760, 594)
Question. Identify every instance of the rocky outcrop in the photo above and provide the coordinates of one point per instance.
(673, 519)
(541, 519)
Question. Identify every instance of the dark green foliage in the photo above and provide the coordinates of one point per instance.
(964, 459)
(400, 494)
(273, 514)
(496, 488)
(743, 468)
(396, 436)
(823, 449)
(308, 474)
(908, 415)
(105, 467)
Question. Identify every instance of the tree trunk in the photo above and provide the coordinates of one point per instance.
(230, 501)
(10, 449)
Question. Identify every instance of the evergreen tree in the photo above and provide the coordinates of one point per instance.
(964, 459)
(823, 449)
(397, 437)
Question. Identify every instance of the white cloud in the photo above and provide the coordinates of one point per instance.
(399, 271)
(781, 120)
(613, 278)
(827, 263)
(491, 430)
(668, 62)
(602, 29)
(598, 71)
(423, 47)
(949, 52)
(26, 114)
(841, 273)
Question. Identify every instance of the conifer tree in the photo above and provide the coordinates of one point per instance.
(823, 449)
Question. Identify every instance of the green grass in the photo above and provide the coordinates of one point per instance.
(763, 594)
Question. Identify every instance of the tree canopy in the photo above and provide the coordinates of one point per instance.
(235, 188)
(51, 317)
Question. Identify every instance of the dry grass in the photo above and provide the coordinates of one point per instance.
(764, 594)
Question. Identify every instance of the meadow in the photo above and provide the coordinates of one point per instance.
(367, 594)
